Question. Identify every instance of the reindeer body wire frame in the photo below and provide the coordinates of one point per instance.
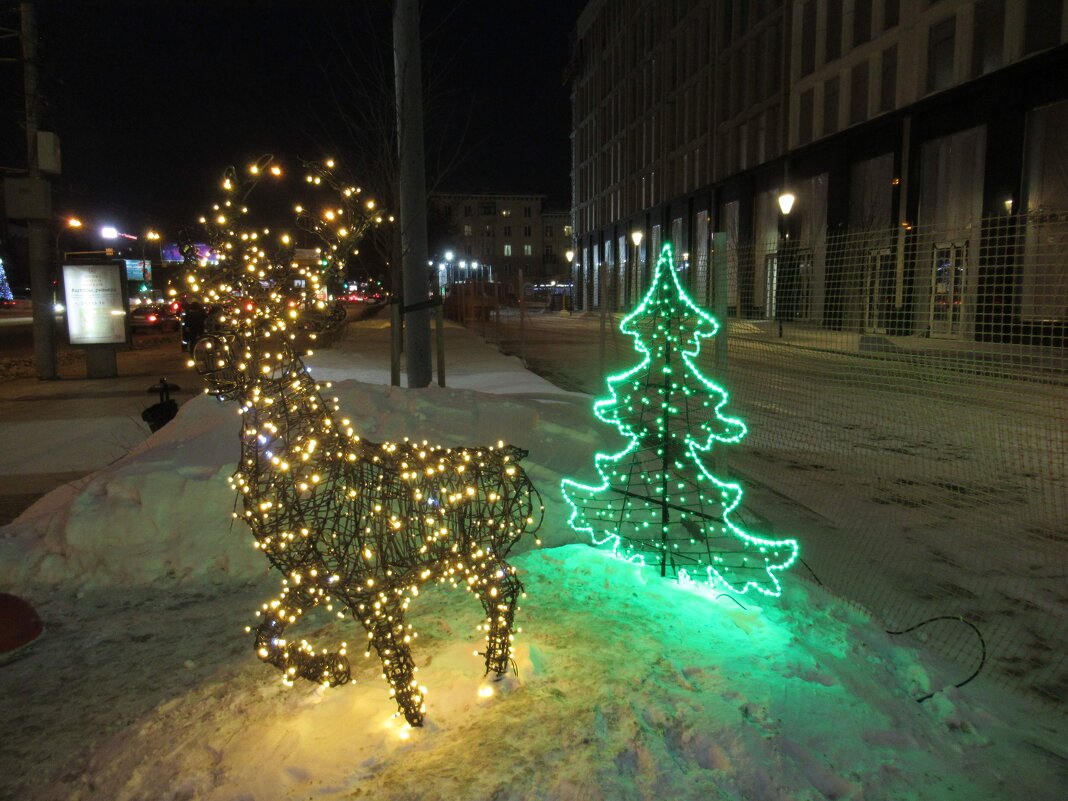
(352, 525)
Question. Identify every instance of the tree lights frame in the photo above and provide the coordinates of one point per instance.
(352, 525)
(658, 501)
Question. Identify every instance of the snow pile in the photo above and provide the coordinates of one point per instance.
(628, 686)
(163, 513)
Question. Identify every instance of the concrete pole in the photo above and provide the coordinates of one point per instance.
(416, 287)
(38, 231)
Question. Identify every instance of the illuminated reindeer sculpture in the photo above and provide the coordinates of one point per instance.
(351, 524)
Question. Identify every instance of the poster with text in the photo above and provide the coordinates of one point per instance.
(95, 311)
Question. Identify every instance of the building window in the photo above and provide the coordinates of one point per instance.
(861, 22)
(833, 48)
(988, 39)
(487, 209)
(507, 250)
(808, 36)
(548, 250)
(940, 43)
(888, 83)
(447, 210)
(830, 106)
(804, 127)
(891, 14)
(507, 230)
(528, 250)
(1042, 25)
(548, 230)
(858, 93)
(467, 211)
(526, 230)
(569, 230)
(487, 230)
(467, 229)
(526, 211)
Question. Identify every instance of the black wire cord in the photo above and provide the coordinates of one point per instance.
(959, 619)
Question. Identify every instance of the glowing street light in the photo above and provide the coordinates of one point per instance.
(109, 232)
(74, 222)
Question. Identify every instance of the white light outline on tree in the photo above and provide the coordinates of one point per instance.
(730, 493)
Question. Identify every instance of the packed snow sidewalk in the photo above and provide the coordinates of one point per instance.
(145, 685)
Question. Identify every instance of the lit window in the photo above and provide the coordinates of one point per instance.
(528, 250)
(467, 229)
(507, 250)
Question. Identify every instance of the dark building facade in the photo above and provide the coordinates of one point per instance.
(924, 144)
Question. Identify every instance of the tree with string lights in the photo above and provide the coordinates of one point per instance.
(658, 501)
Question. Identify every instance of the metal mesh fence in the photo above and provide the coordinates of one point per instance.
(907, 397)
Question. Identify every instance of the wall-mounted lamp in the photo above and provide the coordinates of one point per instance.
(786, 202)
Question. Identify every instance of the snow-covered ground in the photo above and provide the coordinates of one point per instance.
(921, 485)
(145, 685)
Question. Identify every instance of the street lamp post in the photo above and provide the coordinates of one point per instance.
(636, 238)
(786, 203)
(570, 256)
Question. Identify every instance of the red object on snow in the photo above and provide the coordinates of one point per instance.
(19, 623)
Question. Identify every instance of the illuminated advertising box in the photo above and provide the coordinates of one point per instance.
(96, 311)
(172, 253)
(138, 270)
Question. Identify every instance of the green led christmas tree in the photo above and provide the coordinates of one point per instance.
(658, 502)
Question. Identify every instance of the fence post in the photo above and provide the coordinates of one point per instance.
(719, 311)
(604, 309)
(439, 326)
(522, 320)
(395, 340)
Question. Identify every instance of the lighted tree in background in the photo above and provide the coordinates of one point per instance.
(658, 501)
(5, 289)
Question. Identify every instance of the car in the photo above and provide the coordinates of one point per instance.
(144, 319)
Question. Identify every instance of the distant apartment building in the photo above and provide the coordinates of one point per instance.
(500, 234)
(924, 142)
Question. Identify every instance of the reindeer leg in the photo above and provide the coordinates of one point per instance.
(297, 658)
(383, 618)
(499, 597)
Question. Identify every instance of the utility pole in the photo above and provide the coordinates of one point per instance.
(39, 230)
(414, 250)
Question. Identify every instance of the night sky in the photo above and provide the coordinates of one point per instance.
(152, 100)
